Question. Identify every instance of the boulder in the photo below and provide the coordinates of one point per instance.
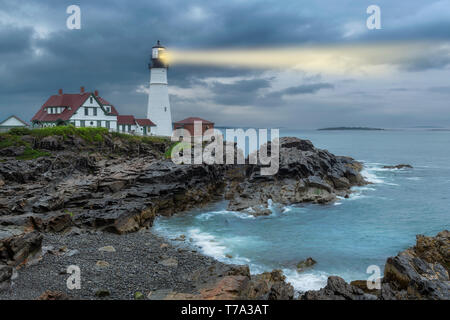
(337, 289)
(421, 272)
(305, 264)
(21, 248)
(6, 273)
(53, 295)
(306, 174)
(418, 273)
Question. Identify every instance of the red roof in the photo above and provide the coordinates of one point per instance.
(106, 103)
(145, 123)
(191, 120)
(126, 120)
(72, 102)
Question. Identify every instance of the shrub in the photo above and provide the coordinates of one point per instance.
(30, 154)
(20, 131)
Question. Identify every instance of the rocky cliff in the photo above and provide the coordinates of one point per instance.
(418, 273)
(306, 174)
(102, 182)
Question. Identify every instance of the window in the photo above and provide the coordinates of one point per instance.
(86, 111)
(108, 109)
(82, 124)
(91, 100)
(107, 125)
(129, 128)
(91, 123)
(165, 109)
(99, 124)
(95, 111)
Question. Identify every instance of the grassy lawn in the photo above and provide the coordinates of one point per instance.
(13, 138)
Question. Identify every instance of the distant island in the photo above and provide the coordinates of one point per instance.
(350, 128)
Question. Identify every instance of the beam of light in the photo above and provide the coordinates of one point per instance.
(360, 59)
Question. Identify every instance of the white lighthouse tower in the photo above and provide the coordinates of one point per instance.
(158, 99)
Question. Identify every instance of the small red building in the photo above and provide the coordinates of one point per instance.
(188, 124)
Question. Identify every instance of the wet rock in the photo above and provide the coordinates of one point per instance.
(362, 284)
(422, 272)
(230, 282)
(418, 273)
(337, 289)
(306, 174)
(305, 264)
(268, 286)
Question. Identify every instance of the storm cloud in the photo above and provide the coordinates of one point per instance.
(111, 51)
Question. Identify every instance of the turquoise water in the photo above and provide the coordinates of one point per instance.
(346, 237)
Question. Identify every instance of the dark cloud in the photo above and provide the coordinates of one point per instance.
(242, 92)
(111, 51)
(307, 88)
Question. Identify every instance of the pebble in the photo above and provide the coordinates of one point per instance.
(102, 264)
(107, 249)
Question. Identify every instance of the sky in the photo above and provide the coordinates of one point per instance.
(244, 63)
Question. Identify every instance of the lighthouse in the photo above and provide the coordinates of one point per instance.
(158, 98)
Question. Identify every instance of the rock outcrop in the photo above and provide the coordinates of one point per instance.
(123, 193)
(418, 273)
(19, 246)
(118, 195)
(228, 282)
(306, 174)
(120, 186)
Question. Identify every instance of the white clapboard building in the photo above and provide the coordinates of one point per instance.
(12, 122)
(88, 109)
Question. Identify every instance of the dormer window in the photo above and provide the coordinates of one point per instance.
(108, 109)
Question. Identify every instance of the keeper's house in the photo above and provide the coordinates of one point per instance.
(87, 109)
(188, 124)
(12, 122)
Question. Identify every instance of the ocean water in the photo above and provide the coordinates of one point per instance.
(345, 237)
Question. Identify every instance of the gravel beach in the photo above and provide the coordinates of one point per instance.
(140, 263)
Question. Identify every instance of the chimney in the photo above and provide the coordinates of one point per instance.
(82, 90)
(60, 92)
(96, 93)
